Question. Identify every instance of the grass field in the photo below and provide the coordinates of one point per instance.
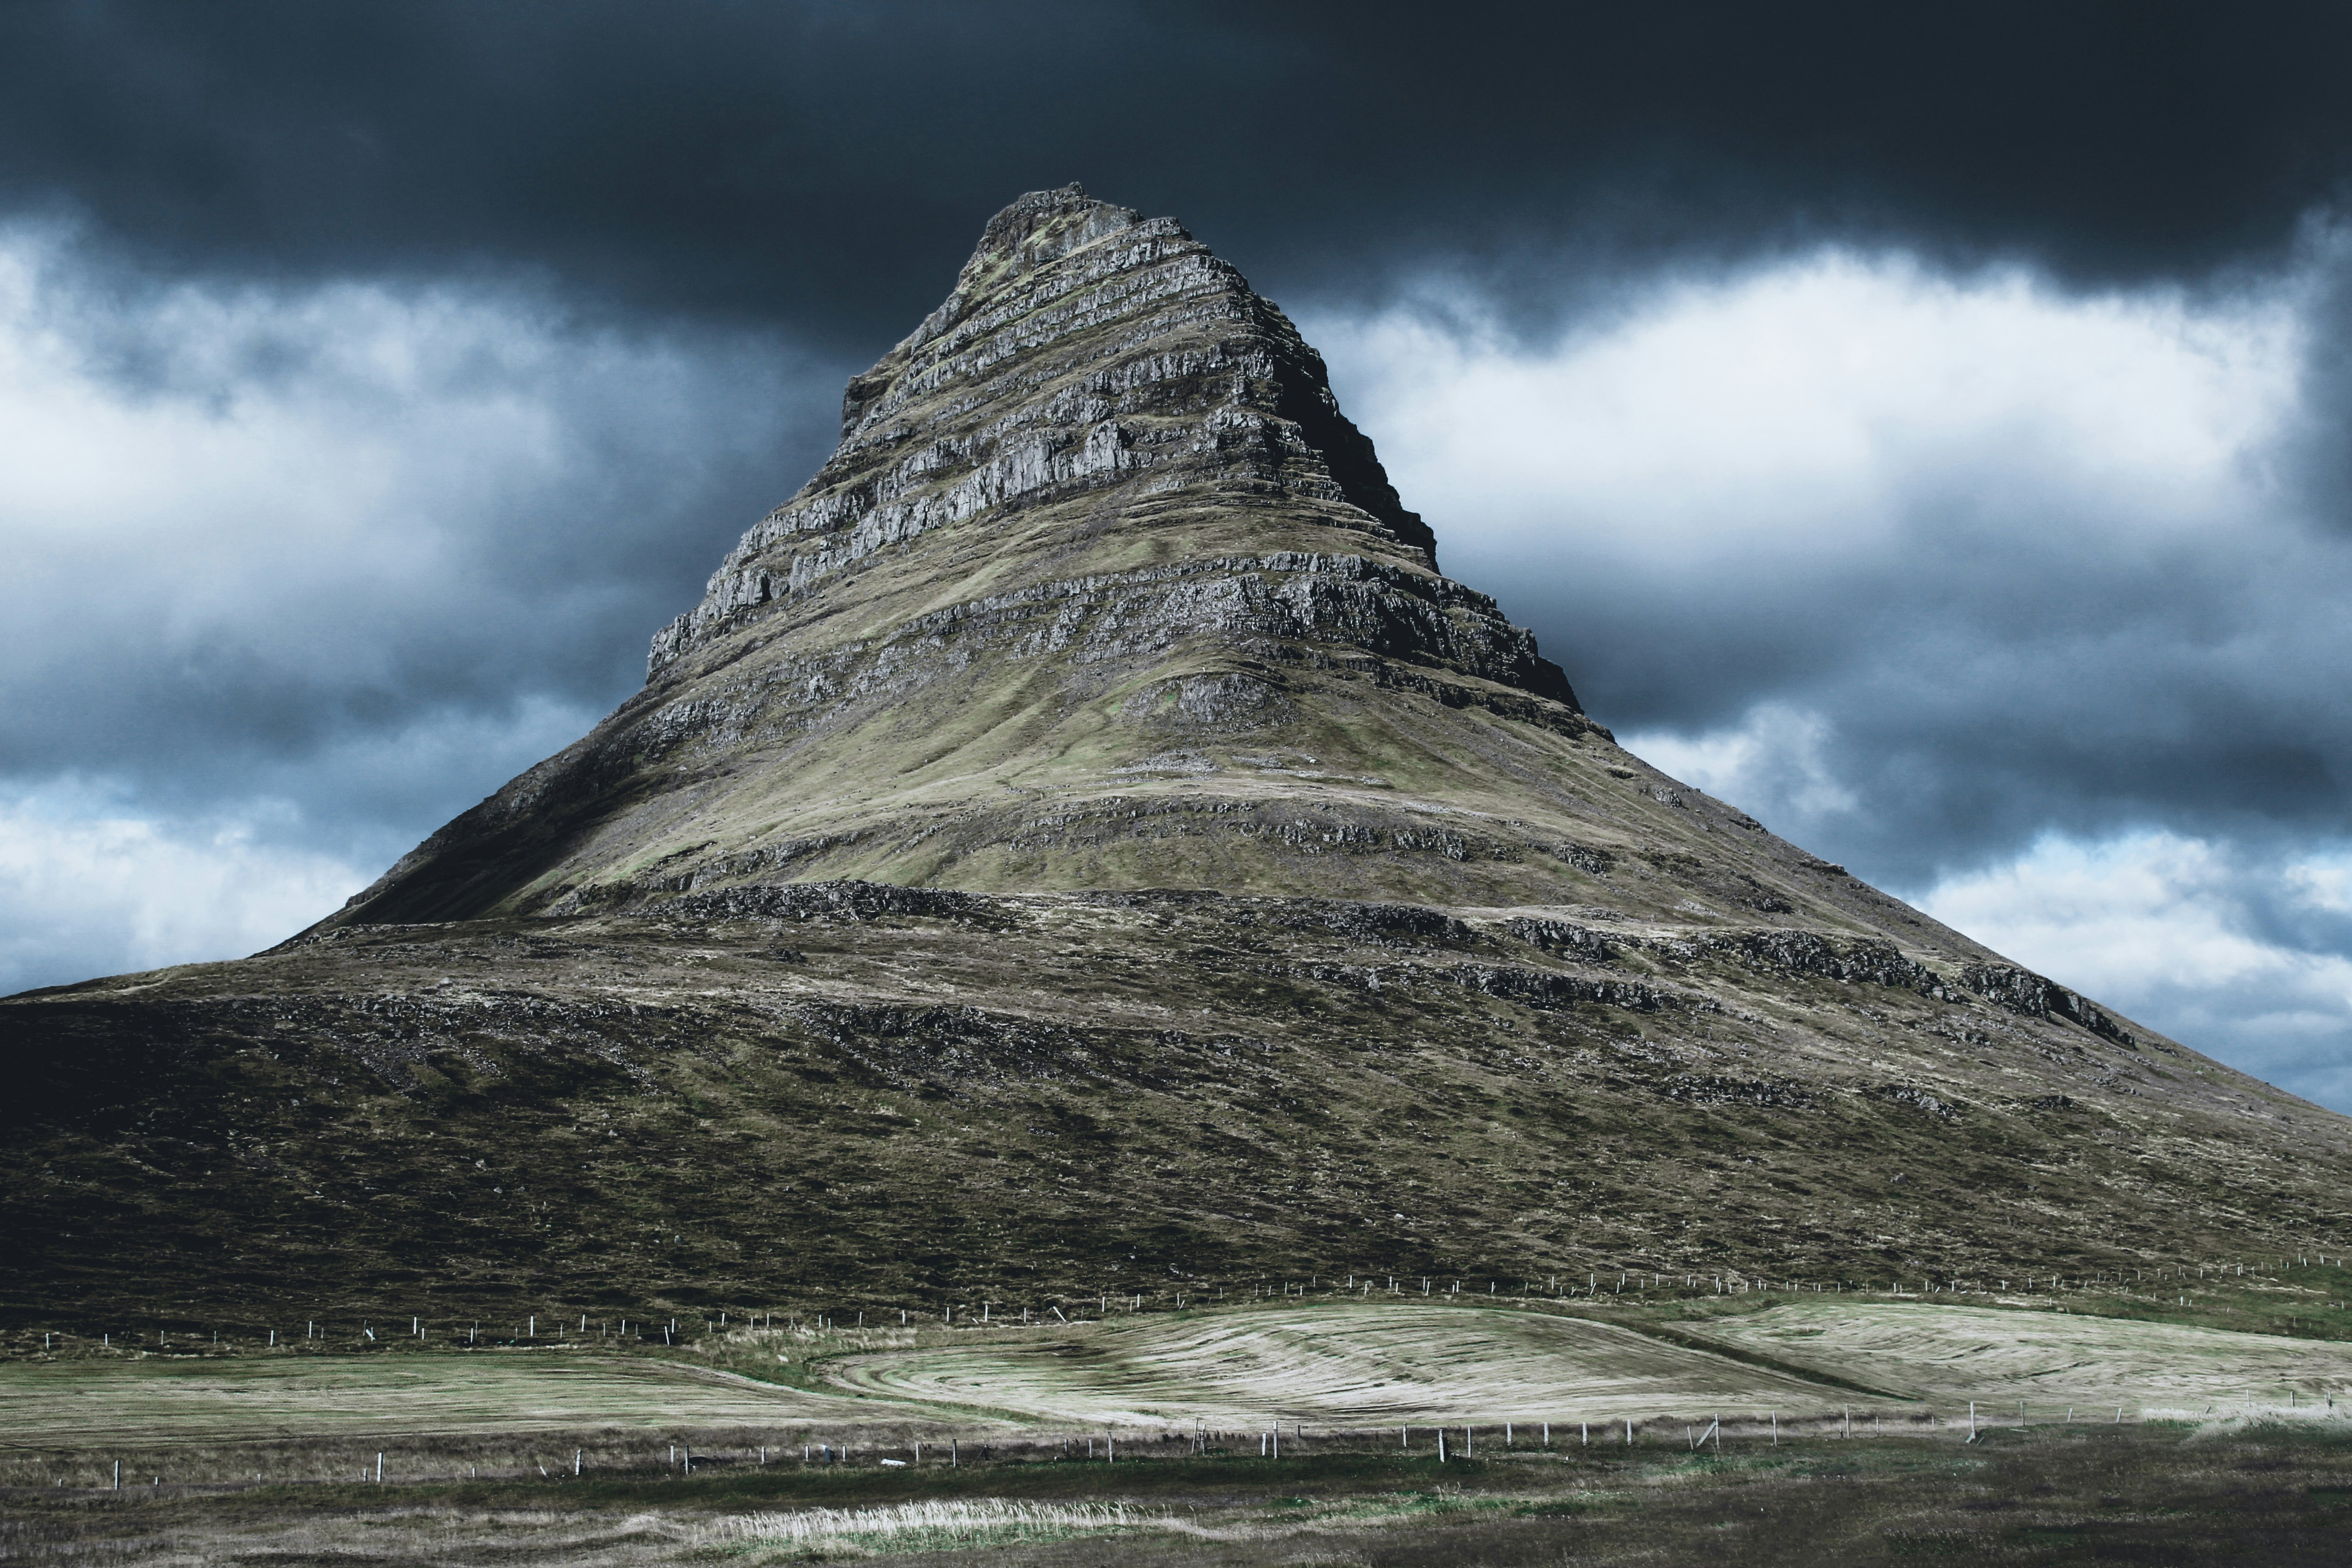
(1349, 1365)
(2057, 1496)
(165, 1401)
(261, 1460)
(1947, 1354)
(249, 1421)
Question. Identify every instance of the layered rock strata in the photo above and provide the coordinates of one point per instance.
(1099, 578)
(1081, 842)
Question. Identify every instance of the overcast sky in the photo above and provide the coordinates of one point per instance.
(1928, 432)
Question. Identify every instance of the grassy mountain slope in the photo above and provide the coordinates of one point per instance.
(829, 1104)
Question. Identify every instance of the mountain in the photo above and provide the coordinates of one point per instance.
(1100, 591)
(1081, 842)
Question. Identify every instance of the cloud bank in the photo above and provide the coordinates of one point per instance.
(293, 574)
(2022, 601)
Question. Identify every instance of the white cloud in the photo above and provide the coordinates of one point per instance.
(1775, 754)
(293, 576)
(85, 891)
(2184, 935)
(1956, 579)
(1793, 410)
(267, 510)
(2114, 916)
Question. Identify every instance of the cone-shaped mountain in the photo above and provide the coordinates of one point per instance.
(1081, 840)
(1100, 591)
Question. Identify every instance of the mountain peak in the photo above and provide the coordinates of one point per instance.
(1041, 227)
(1035, 230)
(1101, 503)
(1129, 782)
(1082, 348)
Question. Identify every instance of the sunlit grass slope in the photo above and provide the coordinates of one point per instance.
(1340, 1364)
(1946, 1355)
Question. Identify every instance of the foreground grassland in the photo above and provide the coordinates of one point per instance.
(800, 1444)
(1336, 1366)
(2167, 1495)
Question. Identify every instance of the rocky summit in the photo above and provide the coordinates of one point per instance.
(1081, 842)
(1100, 591)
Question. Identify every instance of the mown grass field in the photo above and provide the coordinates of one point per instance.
(159, 1400)
(1947, 1354)
(1327, 1364)
(253, 1421)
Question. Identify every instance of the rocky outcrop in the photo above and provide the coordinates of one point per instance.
(1879, 963)
(1083, 351)
(841, 901)
(2024, 991)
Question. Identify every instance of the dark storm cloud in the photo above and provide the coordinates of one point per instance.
(249, 527)
(821, 164)
(417, 360)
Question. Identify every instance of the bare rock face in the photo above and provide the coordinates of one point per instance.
(1080, 840)
(1102, 499)
(1084, 353)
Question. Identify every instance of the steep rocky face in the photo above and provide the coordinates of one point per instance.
(1099, 578)
(1080, 840)
(1083, 353)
